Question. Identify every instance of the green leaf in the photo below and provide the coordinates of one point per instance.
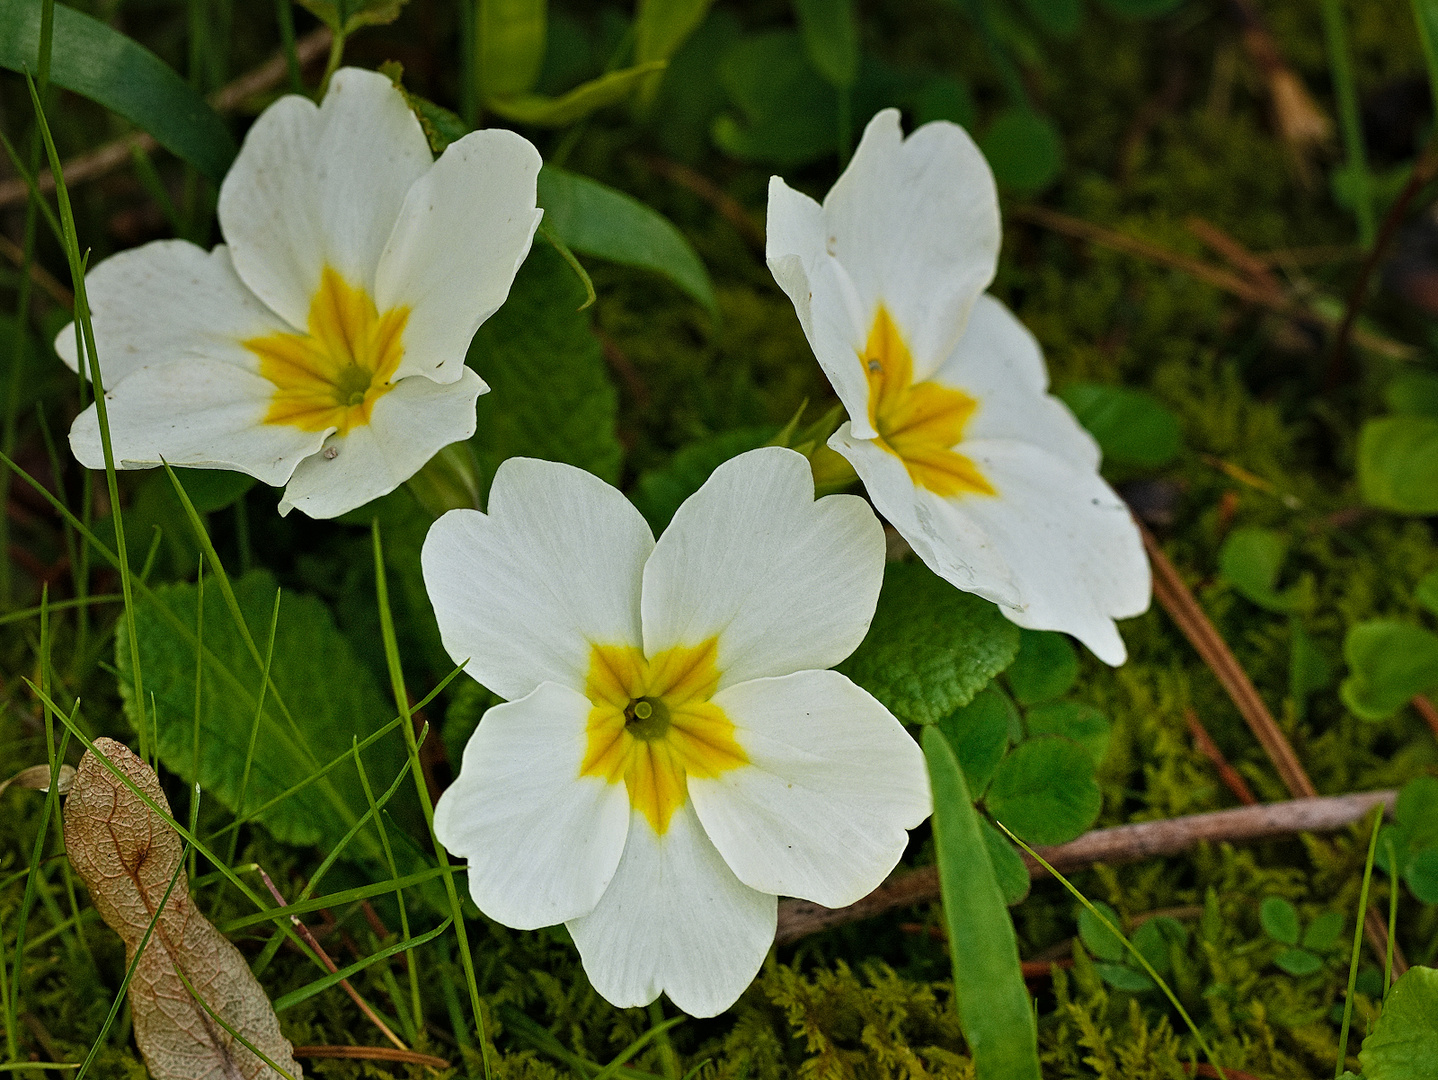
(979, 735)
(509, 46)
(1024, 149)
(1388, 663)
(1061, 17)
(1414, 392)
(114, 71)
(788, 115)
(830, 32)
(1398, 464)
(551, 396)
(1279, 919)
(1426, 591)
(1142, 9)
(1152, 940)
(1421, 875)
(1416, 811)
(944, 97)
(1404, 1042)
(1308, 668)
(1098, 938)
(330, 697)
(995, 1011)
(1045, 668)
(1074, 720)
(347, 16)
(1298, 962)
(1132, 427)
(1324, 932)
(609, 89)
(1009, 869)
(660, 492)
(1123, 977)
(471, 701)
(1251, 559)
(660, 28)
(930, 647)
(1045, 791)
(595, 219)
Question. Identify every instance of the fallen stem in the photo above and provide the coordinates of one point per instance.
(372, 1053)
(1230, 776)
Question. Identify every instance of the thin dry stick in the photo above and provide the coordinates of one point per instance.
(1174, 595)
(38, 274)
(119, 152)
(371, 1053)
(1238, 256)
(1425, 709)
(1230, 776)
(313, 943)
(1124, 843)
(1216, 276)
(730, 209)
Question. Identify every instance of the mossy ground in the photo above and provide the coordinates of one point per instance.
(873, 1000)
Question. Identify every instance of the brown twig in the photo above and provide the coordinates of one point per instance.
(1238, 256)
(730, 209)
(371, 1053)
(1216, 276)
(1124, 843)
(119, 152)
(313, 943)
(1230, 776)
(1424, 708)
(38, 274)
(1425, 169)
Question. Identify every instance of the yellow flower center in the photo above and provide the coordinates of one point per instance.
(332, 376)
(920, 423)
(653, 725)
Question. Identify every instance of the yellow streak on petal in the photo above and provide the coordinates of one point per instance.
(699, 740)
(332, 376)
(919, 423)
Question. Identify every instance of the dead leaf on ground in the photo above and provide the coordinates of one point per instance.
(128, 855)
(37, 778)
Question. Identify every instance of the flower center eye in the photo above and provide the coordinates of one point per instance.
(647, 718)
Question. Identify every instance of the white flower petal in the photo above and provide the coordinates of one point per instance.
(952, 545)
(1069, 540)
(675, 920)
(832, 786)
(407, 426)
(999, 364)
(465, 227)
(785, 583)
(196, 413)
(164, 301)
(542, 841)
(523, 591)
(321, 186)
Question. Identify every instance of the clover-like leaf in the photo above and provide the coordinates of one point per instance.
(1398, 463)
(1388, 663)
(1045, 668)
(1074, 720)
(1123, 977)
(1251, 560)
(1132, 426)
(1279, 919)
(1009, 868)
(1298, 962)
(1045, 791)
(1325, 932)
(979, 734)
(1099, 939)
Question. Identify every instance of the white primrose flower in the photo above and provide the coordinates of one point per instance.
(990, 479)
(322, 346)
(673, 754)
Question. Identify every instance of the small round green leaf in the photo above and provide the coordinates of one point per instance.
(1009, 868)
(1279, 919)
(1324, 932)
(1045, 668)
(1417, 811)
(1132, 427)
(1250, 560)
(1074, 720)
(1123, 977)
(1421, 875)
(979, 734)
(944, 97)
(1298, 962)
(1388, 663)
(1098, 938)
(1152, 944)
(1404, 1041)
(1398, 464)
(1045, 791)
(1024, 150)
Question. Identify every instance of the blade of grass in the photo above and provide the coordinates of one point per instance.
(255, 727)
(309, 990)
(658, 1030)
(195, 730)
(1340, 66)
(995, 1011)
(401, 696)
(1425, 14)
(285, 17)
(1341, 1065)
(82, 318)
(1392, 917)
(334, 900)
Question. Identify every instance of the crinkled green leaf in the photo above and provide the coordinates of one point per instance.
(1132, 426)
(1009, 869)
(979, 734)
(550, 393)
(930, 647)
(1045, 791)
(1074, 720)
(330, 696)
(117, 72)
(1398, 464)
(509, 45)
(1279, 919)
(1024, 149)
(1045, 668)
(830, 32)
(609, 89)
(1404, 1042)
(1388, 663)
(595, 219)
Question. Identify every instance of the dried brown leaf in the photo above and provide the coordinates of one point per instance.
(37, 778)
(128, 855)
